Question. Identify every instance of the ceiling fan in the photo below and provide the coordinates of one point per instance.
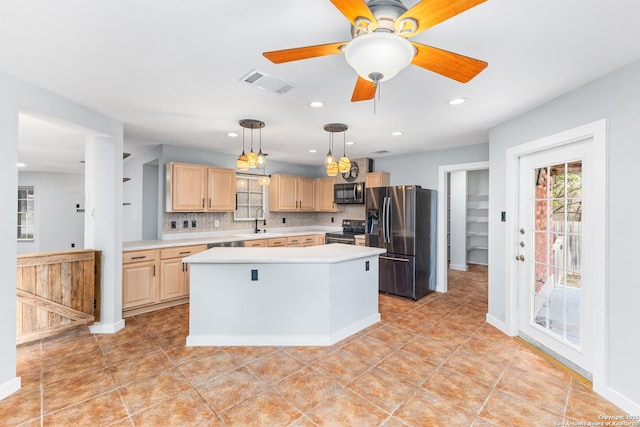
(380, 49)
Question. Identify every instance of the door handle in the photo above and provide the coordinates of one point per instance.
(393, 259)
(519, 257)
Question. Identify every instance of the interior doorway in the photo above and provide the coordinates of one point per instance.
(472, 206)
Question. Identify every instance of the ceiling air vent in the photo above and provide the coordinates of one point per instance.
(267, 82)
(381, 152)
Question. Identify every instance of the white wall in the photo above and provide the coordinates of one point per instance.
(422, 168)
(106, 220)
(458, 220)
(57, 223)
(615, 97)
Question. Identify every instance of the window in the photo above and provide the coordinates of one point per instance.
(26, 223)
(251, 198)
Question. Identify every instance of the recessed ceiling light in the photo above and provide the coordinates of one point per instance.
(349, 142)
(313, 150)
(232, 134)
(316, 104)
(396, 133)
(20, 165)
(457, 101)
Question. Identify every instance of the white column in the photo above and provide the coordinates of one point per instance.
(458, 224)
(8, 249)
(103, 223)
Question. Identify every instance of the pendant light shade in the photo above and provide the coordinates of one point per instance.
(344, 164)
(264, 180)
(251, 160)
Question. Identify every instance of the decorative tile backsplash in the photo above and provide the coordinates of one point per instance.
(206, 221)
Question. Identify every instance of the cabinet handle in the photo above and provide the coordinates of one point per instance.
(184, 252)
(209, 202)
(236, 201)
(154, 270)
(203, 203)
(139, 257)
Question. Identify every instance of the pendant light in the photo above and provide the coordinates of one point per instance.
(243, 161)
(332, 166)
(252, 159)
(344, 165)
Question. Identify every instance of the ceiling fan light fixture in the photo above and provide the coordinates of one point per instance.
(379, 54)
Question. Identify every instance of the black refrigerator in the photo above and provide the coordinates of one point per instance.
(402, 220)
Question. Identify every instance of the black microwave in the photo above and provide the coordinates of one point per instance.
(349, 193)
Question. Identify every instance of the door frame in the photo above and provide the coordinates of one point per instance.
(597, 131)
(443, 187)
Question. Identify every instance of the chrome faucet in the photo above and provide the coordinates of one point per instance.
(260, 210)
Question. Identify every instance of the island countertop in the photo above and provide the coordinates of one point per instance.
(335, 252)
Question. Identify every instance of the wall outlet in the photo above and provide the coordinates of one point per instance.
(73, 245)
(193, 223)
(173, 225)
(332, 219)
(185, 224)
(216, 223)
(284, 220)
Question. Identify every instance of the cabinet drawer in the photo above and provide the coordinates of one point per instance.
(255, 243)
(306, 239)
(181, 251)
(138, 256)
(294, 240)
(279, 241)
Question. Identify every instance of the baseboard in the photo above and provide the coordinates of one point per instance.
(620, 400)
(459, 267)
(10, 387)
(106, 328)
(282, 340)
(496, 323)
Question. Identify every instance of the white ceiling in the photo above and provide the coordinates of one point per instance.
(171, 70)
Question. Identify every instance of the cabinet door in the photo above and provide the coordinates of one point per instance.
(282, 193)
(221, 190)
(318, 239)
(325, 193)
(172, 279)
(294, 241)
(306, 194)
(376, 179)
(277, 241)
(260, 243)
(138, 284)
(188, 187)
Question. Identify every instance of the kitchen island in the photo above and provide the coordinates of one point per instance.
(313, 296)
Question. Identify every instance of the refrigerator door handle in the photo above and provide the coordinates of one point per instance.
(394, 259)
(384, 220)
(388, 220)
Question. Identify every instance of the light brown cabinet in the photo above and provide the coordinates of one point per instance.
(318, 239)
(221, 190)
(277, 242)
(174, 274)
(300, 241)
(360, 241)
(198, 188)
(289, 193)
(259, 243)
(139, 280)
(377, 179)
(325, 195)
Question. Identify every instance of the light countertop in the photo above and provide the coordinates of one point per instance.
(335, 252)
(206, 238)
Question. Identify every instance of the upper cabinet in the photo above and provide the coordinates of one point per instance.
(198, 188)
(325, 194)
(289, 193)
(377, 179)
(221, 190)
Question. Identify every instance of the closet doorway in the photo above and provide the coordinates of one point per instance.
(463, 215)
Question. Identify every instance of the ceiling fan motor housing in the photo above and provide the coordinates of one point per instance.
(386, 12)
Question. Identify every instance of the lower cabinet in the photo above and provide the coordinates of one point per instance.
(277, 242)
(259, 243)
(155, 279)
(139, 280)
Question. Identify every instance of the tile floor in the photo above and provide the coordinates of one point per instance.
(434, 362)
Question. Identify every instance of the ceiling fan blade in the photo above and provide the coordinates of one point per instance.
(295, 54)
(364, 90)
(354, 9)
(428, 13)
(449, 64)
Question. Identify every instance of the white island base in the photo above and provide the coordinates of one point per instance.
(314, 296)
